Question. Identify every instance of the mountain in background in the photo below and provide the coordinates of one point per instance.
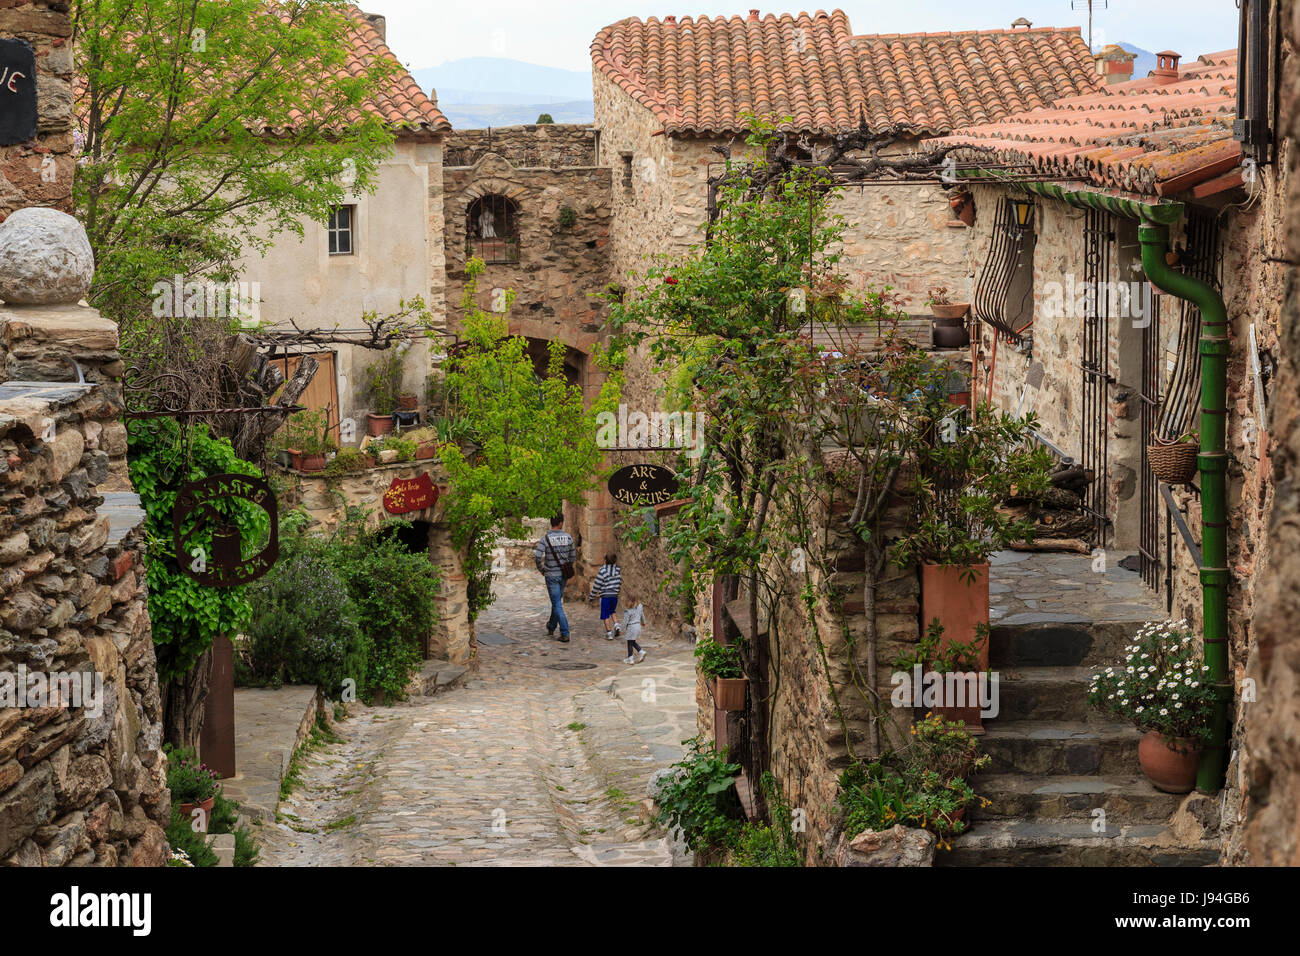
(1145, 62)
(493, 91)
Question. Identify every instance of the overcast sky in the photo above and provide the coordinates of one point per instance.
(425, 33)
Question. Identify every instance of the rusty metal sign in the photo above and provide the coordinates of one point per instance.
(209, 545)
(642, 485)
(410, 494)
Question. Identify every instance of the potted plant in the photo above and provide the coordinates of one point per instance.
(384, 391)
(720, 665)
(308, 440)
(949, 324)
(965, 472)
(966, 660)
(1175, 462)
(192, 784)
(1165, 690)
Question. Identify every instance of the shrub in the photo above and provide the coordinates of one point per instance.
(769, 844)
(701, 802)
(718, 660)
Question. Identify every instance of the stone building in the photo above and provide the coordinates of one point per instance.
(82, 773)
(1110, 362)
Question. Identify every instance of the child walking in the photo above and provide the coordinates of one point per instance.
(633, 619)
(608, 583)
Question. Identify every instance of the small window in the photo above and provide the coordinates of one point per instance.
(492, 229)
(627, 173)
(342, 220)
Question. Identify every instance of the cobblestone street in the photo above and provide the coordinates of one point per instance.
(540, 757)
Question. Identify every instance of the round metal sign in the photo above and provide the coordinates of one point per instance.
(208, 544)
(642, 485)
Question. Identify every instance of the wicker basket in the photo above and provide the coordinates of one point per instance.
(1174, 464)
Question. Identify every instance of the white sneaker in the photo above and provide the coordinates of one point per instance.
(629, 660)
(618, 629)
(640, 656)
(609, 635)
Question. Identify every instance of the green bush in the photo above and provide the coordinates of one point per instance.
(769, 844)
(701, 802)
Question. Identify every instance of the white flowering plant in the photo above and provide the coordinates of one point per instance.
(1162, 684)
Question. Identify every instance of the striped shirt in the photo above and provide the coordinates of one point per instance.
(609, 581)
(549, 559)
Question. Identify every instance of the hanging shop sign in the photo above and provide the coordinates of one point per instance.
(410, 494)
(209, 546)
(642, 485)
(17, 92)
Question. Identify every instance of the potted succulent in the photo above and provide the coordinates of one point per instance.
(721, 667)
(193, 786)
(1165, 690)
(965, 472)
(1175, 462)
(384, 391)
(949, 323)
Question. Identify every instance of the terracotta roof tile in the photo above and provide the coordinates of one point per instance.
(701, 75)
(1142, 136)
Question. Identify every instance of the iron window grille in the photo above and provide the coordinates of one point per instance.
(492, 228)
(1004, 291)
(341, 224)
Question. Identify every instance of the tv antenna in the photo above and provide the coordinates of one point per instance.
(1089, 5)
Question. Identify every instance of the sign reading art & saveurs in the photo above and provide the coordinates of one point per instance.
(642, 485)
(17, 92)
(410, 494)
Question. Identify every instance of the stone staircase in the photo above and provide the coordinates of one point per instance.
(1055, 762)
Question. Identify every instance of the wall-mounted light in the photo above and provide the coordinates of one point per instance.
(1024, 210)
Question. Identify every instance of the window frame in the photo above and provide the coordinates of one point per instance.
(333, 231)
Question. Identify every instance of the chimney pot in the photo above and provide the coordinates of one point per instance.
(671, 19)
(753, 14)
(1021, 23)
(1166, 70)
(380, 24)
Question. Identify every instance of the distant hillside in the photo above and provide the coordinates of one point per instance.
(479, 116)
(1145, 62)
(493, 91)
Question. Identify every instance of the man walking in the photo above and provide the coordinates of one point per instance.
(554, 559)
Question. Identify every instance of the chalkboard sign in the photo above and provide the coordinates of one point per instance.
(642, 485)
(17, 92)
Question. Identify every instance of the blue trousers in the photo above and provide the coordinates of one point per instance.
(555, 589)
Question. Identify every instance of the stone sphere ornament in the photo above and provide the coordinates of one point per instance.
(45, 258)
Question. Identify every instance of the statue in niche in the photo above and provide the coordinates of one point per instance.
(486, 224)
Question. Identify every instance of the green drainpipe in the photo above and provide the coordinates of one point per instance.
(1213, 463)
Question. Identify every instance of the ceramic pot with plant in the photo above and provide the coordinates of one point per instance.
(965, 472)
(721, 666)
(309, 440)
(1163, 688)
(945, 310)
(383, 388)
(953, 669)
(193, 786)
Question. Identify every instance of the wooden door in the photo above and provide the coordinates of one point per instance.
(323, 390)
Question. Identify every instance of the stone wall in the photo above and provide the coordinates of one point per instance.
(39, 172)
(1268, 768)
(78, 784)
(540, 146)
(327, 499)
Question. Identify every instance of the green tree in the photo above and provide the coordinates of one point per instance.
(185, 614)
(210, 127)
(536, 443)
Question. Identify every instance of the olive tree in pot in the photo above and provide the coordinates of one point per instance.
(966, 470)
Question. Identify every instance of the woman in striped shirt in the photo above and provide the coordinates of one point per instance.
(608, 584)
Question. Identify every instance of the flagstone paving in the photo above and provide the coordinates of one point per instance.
(539, 758)
(1044, 588)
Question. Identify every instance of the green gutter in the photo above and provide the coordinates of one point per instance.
(1213, 462)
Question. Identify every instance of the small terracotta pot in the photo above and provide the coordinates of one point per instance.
(953, 310)
(312, 462)
(377, 425)
(426, 451)
(1169, 762)
(729, 692)
(187, 811)
(408, 402)
(295, 458)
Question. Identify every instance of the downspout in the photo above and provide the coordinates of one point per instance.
(1213, 464)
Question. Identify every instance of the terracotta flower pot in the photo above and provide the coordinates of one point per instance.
(377, 425)
(1168, 762)
(426, 451)
(960, 602)
(187, 811)
(408, 402)
(313, 462)
(295, 458)
(729, 692)
(952, 310)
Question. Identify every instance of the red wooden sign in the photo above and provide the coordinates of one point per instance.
(410, 494)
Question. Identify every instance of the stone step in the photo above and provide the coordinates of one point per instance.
(1059, 644)
(1126, 799)
(1072, 843)
(1044, 693)
(436, 676)
(1076, 748)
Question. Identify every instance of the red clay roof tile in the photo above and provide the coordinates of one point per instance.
(700, 76)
